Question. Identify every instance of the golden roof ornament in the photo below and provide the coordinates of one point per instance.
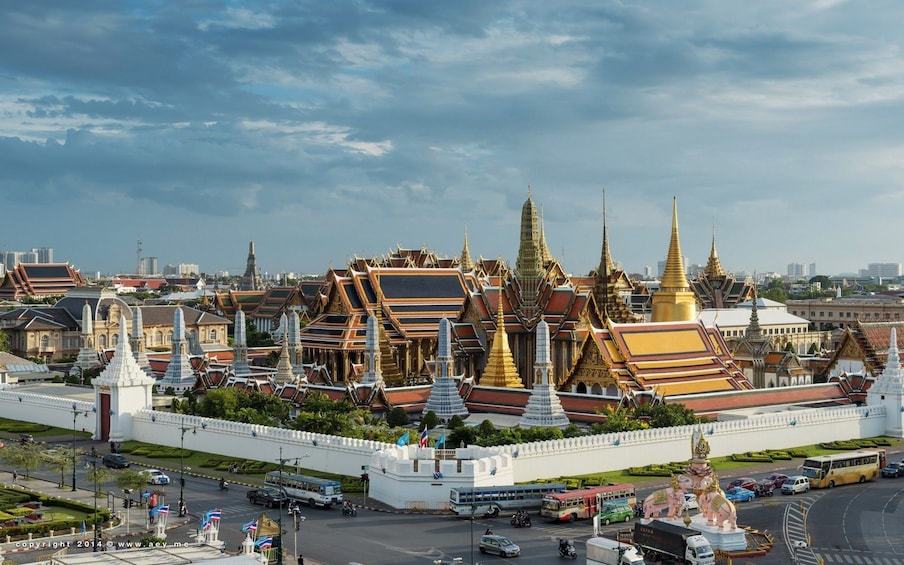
(701, 449)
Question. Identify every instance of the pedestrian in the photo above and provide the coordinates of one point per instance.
(112, 447)
(301, 560)
(93, 451)
(15, 477)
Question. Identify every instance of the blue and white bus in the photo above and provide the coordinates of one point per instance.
(489, 501)
(314, 491)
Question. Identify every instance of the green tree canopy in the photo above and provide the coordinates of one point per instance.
(397, 417)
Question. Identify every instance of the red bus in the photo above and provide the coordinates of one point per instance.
(581, 504)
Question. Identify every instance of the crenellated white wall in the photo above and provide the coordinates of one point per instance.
(45, 409)
(332, 454)
(610, 452)
(410, 477)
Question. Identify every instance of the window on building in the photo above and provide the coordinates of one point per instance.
(45, 342)
(213, 335)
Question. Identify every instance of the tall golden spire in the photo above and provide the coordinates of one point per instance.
(545, 255)
(465, 262)
(674, 301)
(607, 265)
(713, 266)
(500, 370)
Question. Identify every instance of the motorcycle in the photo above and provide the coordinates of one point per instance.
(520, 520)
(567, 550)
(224, 485)
(349, 511)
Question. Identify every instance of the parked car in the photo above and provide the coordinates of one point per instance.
(743, 482)
(115, 461)
(500, 545)
(616, 513)
(893, 470)
(796, 484)
(156, 477)
(739, 494)
(690, 501)
(777, 479)
(267, 496)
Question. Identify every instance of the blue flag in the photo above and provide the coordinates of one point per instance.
(441, 440)
(403, 440)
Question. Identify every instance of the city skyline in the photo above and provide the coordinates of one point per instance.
(323, 131)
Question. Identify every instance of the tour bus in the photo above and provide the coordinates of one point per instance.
(488, 501)
(582, 503)
(827, 471)
(313, 490)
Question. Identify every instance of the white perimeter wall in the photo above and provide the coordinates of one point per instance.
(513, 463)
(50, 410)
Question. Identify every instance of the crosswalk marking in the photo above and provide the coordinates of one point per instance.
(858, 559)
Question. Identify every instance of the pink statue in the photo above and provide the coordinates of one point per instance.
(716, 508)
(670, 498)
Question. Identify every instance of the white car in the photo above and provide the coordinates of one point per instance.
(156, 477)
(690, 501)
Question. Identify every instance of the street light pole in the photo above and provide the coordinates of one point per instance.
(183, 429)
(75, 414)
(96, 536)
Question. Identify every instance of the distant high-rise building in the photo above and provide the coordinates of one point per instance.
(44, 254)
(11, 259)
(882, 270)
(798, 270)
(188, 269)
(30, 257)
(170, 270)
(813, 271)
(147, 267)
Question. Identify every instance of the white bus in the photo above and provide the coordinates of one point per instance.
(314, 491)
(488, 501)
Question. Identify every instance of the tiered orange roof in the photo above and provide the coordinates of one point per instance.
(39, 279)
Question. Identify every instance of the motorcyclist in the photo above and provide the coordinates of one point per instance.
(223, 484)
(563, 545)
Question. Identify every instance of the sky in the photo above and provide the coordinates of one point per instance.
(324, 131)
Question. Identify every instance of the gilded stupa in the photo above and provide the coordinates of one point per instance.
(674, 301)
(500, 370)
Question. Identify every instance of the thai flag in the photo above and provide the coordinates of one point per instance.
(250, 526)
(215, 515)
(205, 525)
(424, 438)
(163, 509)
(264, 542)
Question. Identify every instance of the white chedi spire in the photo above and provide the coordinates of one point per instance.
(294, 338)
(543, 407)
(373, 372)
(888, 390)
(87, 354)
(179, 373)
(445, 400)
(137, 342)
(240, 365)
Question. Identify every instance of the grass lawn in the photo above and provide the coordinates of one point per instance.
(10, 430)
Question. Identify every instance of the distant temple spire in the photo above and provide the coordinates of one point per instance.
(713, 266)
(87, 355)
(240, 367)
(373, 372)
(529, 264)
(543, 407)
(251, 280)
(545, 256)
(500, 370)
(445, 400)
(466, 263)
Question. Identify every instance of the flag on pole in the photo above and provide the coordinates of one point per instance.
(205, 525)
(163, 509)
(403, 440)
(424, 438)
(214, 515)
(265, 542)
(250, 526)
(441, 440)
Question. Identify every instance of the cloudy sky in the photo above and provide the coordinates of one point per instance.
(324, 130)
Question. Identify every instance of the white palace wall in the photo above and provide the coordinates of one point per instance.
(409, 476)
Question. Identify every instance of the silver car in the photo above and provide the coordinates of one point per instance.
(500, 545)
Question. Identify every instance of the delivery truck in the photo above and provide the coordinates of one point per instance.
(669, 542)
(605, 551)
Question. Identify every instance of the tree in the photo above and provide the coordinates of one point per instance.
(27, 456)
(321, 414)
(98, 475)
(455, 422)
(4, 341)
(61, 458)
(128, 480)
(397, 417)
(430, 421)
(463, 436)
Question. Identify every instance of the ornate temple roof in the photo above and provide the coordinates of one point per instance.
(39, 279)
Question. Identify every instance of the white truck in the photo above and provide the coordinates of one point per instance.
(605, 551)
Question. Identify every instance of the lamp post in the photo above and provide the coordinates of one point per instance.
(96, 533)
(183, 428)
(75, 414)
